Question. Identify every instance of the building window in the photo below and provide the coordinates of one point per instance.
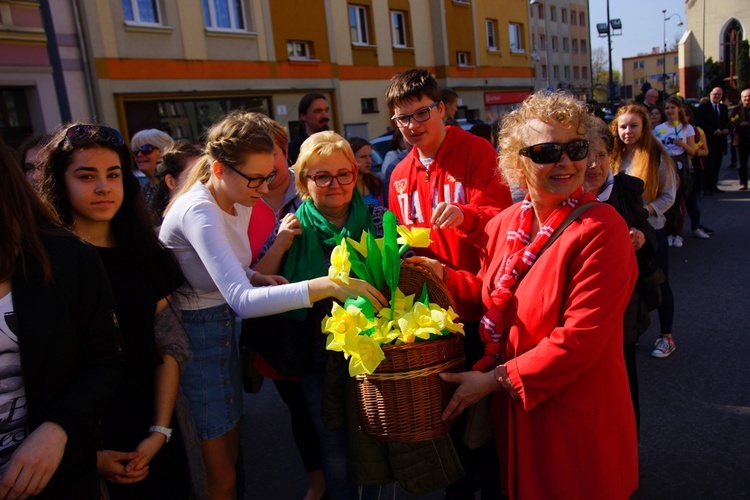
(574, 47)
(676, 60)
(554, 44)
(491, 25)
(566, 44)
(516, 37)
(553, 13)
(582, 19)
(358, 25)
(398, 29)
(368, 105)
(576, 71)
(556, 72)
(544, 71)
(573, 17)
(585, 73)
(540, 10)
(583, 46)
(659, 62)
(141, 11)
(463, 58)
(543, 42)
(299, 49)
(564, 16)
(641, 64)
(223, 14)
(566, 72)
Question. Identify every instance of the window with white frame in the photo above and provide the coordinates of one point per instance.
(516, 37)
(463, 58)
(574, 45)
(358, 25)
(566, 45)
(564, 15)
(554, 44)
(491, 28)
(398, 29)
(553, 13)
(224, 14)
(141, 11)
(573, 17)
(582, 19)
(299, 49)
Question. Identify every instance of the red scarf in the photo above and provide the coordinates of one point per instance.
(518, 260)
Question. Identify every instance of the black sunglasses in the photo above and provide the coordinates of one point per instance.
(145, 149)
(79, 134)
(255, 182)
(551, 152)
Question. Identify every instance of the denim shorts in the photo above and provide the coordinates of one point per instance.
(211, 380)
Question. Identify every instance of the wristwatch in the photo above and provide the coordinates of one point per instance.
(162, 430)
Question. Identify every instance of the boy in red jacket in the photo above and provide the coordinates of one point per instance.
(449, 180)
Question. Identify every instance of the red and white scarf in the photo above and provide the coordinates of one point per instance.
(518, 260)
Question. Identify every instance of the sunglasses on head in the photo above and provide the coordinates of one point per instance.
(79, 134)
(551, 152)
(145, 149)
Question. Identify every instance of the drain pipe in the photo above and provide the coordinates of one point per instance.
(53, 51)
(82, 47)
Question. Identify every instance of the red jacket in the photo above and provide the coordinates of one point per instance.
(464, 172)
(572, 434)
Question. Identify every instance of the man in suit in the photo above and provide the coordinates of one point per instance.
(742, 135)
(713, 118)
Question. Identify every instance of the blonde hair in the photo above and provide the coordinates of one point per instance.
(152, 136)
(229, 142)
(550, 107)
(322, 144)
(647, 153)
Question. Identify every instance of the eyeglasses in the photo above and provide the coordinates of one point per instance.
(255, 182)
(421, 115)
(79, 134)
(551, 152)
(146, 149)
(325, 180)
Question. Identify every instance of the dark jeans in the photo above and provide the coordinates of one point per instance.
(693, 200)
(713, 163)
(666, 310)
(744, 153)
(303, 428)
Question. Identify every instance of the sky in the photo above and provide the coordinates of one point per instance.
(642, 25)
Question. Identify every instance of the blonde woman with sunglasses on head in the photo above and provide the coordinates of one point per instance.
(206, 229)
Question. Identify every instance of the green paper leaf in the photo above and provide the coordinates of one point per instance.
(391, 260)
(424, 298)
(364, 304)
(359, 268)
(375, 262)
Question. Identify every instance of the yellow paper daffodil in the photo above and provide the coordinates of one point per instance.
(340, 264)
(676, 123)
(445, 319)
(417, 323)
(365, 353)
(415, 237)
(385, 331)
(401, 305)
(342, 325)
(361, 245)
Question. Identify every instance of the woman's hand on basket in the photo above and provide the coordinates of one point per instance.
(321, 288)
(433, 265)
(472, 387)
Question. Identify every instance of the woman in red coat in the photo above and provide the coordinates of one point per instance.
(552, 326)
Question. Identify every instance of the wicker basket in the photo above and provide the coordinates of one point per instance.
(404, 398)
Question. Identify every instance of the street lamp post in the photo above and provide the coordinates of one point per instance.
(608, 29)
(534, 3)
(664, 52)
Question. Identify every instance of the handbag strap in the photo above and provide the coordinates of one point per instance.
(565, 223)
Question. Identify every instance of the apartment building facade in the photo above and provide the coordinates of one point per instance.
(178, 66)
(561, 46)
(651, 68)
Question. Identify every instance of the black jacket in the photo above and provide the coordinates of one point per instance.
(710, 123)
(71, 355)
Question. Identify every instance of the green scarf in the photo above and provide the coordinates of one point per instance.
(306, 259)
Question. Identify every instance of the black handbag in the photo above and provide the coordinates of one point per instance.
(287, 344)
(649, 286)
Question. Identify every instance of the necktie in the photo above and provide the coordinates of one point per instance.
(716, 107)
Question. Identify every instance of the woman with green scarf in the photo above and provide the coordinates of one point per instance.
(326, 179)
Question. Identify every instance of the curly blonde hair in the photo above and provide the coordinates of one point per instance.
(550, 107)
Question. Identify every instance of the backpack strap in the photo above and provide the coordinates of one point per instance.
(578, 211)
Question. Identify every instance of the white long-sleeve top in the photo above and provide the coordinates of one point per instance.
(666, 196)
(214, 253)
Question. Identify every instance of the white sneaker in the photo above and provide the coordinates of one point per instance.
(670, 241)
(701, 234)
(677, 242)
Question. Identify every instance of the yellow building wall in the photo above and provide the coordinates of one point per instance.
(460, 31)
